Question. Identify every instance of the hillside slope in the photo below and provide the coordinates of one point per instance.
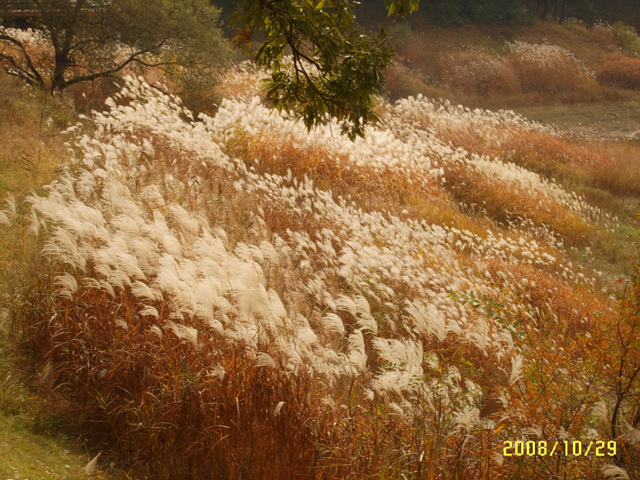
(237, 297)
(475, 66)
(396, 275)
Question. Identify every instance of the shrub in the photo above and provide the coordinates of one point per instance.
(402, 83)
(626, 37)
(546, 68)
(619, 70)
(478, 73)
(603, 35)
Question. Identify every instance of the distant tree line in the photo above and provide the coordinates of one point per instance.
(510, 12)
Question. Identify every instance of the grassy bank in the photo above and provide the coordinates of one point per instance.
(237, 297)
(36, 440)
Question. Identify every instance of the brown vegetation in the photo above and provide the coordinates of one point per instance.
(619, 70)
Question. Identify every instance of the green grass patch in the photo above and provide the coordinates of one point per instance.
(24, 453)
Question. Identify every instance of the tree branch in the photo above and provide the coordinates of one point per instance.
(108, 73)
(36, 75)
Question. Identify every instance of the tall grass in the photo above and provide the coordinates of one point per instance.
(237, 297)
(547, 68)
(619, 70)
(477, 73)
(528, 68)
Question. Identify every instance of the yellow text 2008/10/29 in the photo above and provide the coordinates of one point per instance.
(543, 448)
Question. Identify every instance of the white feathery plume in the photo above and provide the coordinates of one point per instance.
(614, 472)
(427, 319)
(631, 434)
(149, 311)
(363, 311)
(209, 299)
(186, 222)
(171, 245)
(142, 290)
(63, 246)
(306, 335)
(122, 323)
(216, 325)
(357, 356)
(277, 307)
(184, 332)
(535, 430)
(601, 411)
(467, 418)
(8, 214)
(34, 222)
(390, 382)
(156, 330)
(249, 253)
(4, 219)
(332, 323)
(269, 253)
(479, 334)
(107, 287)
(346, 304)
(265, 360)
(90, 468)
(359, 308)
(516, 369)
(252, 300)
(68, 285)
(278, 408)
(390, 349)
(329, 301)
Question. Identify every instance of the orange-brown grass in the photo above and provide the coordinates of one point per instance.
(373, 441)
(502, 203)
(561, 340)
(477, 73)
(558, 305)
(446, 212)
(617, 354)
(175, 410)
(578, 163)
(369, 188)
(88, 96)
(613, 166)
(559, 80)
(619, 168)
(548, 155)
(402, 83)
(558, 74)
(557, 399)
(619, 70)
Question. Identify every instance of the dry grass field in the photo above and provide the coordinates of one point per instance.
(454, 296)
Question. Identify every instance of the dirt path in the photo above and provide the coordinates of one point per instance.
(614, 121)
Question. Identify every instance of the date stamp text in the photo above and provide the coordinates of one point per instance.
(575, 448)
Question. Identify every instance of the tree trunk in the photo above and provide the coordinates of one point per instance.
(61, 64)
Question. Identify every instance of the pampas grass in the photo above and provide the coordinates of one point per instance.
(239, 297)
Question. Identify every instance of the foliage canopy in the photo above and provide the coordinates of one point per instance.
(335, 68)
(94, 39)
